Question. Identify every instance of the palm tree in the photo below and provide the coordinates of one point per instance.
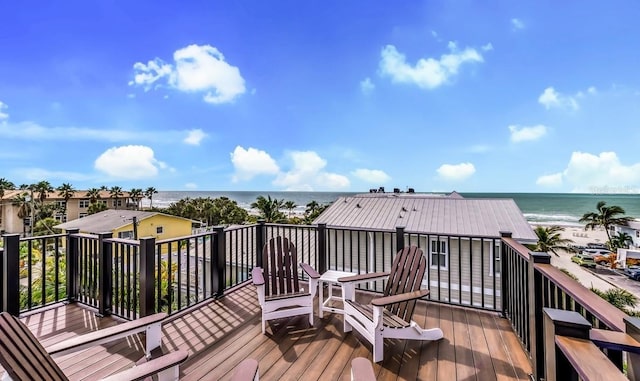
(290, 206)
(115, 192)
(43, 188)
(5, 185)
(550, 240)
(269, 208)
(135, 194)
(620, 240)
(149, 194)
(93, 194)
(66, 191)
(605, 217)
(23, 202)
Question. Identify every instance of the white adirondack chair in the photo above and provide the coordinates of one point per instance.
(278, 286)
(390, 315)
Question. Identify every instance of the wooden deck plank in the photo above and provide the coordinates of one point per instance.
(479, 347)
(222, 333)
(428, 361)
(446, 346)
(518, 357)
(499, 352)
(465, 368)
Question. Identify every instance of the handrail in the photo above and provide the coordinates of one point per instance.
(597, 306)
(587, 360)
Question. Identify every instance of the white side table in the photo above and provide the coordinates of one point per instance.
(331, 278)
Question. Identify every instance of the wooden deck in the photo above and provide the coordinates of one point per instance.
(477, 345)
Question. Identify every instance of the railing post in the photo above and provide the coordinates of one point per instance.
(219, 261)
(147, 276)
(105, 275)
(399, 238)
(632, 328)
(322, 248)
(536, 294)
(505, 276)
(563, 323)
(2, 272)
(11, 270)
(259, 242)
(73, 272)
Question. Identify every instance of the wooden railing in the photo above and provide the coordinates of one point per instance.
(534, 288)
(133, 278)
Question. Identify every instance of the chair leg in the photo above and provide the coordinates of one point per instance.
(347, 325)
(264, 325)
(378, 346)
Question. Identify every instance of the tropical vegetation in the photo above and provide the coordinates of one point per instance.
(605, 217)
(550, 240)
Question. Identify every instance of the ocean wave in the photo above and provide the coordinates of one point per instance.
(553, 219)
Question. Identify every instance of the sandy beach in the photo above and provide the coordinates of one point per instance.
(580, 237)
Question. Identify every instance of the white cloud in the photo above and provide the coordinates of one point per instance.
(251, 162)
(129, 162)
(366, 86)
(480, 148)
(194, 137)
(197, 68)
(601, 173)
(550, 98)
(523, 134)
(191, 186)
(3, 115)
(147, 75)
(307, 174)
(553, 180)
(428, 73)
(517, 24)
(374, 176)
(34, 131)
(37, 174)
(487, 47)
(456, 172)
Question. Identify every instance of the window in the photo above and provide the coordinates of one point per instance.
(495, 262)
(117, 202)
(61, 217)
(82, 215)
(439, 253)
(83, 203)
(126, 234)
(61, 204)
(159, 230)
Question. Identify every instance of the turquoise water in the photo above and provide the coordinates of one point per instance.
(556, 208)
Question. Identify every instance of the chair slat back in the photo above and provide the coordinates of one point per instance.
(280, 262)
(407, 272)
(22, 355)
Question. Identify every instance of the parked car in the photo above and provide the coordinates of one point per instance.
(584, 260)
(604, 259)
(633, 272)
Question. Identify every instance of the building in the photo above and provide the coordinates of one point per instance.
(632, 228)
(461, 238)
(121, 224)
(76, 207)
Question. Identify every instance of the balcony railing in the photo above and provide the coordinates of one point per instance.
(134, 278)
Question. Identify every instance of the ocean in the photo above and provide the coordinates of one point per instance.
(544, 208)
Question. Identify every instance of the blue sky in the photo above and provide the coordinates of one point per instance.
(332, 95)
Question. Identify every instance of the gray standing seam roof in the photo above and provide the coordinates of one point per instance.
(429, 214)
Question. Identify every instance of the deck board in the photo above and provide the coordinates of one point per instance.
(478, 345)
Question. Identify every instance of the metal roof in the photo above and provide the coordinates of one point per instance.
(106, 221)
(427, 213)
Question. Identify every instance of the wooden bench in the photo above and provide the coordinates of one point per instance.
(24, 358)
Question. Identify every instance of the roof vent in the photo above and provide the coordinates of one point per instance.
(404, 209)
(358, 206)
(399, 215)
